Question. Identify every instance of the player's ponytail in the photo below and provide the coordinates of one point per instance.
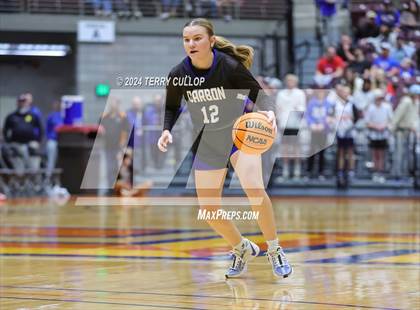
(242, 53)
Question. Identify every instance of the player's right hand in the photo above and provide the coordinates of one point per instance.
(163, 141)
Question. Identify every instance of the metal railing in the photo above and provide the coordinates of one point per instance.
(236, 9)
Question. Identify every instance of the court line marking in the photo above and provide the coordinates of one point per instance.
(195, 296)
(166, 201)
(182, 230)
(99, 302)
(287, 250)
(354, 259)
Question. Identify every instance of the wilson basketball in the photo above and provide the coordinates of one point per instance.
(253, 134)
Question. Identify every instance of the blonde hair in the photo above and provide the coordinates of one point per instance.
(242, 53)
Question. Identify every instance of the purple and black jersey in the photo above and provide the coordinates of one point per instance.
(214, 105)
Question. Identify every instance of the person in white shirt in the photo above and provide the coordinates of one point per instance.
(404, 122)
(378, 120)
(344, 115)
(288, 102)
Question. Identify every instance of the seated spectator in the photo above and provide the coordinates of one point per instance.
(318, 111)
(227, 8)
(388, 15)
(378, 119)
(409, 18)
(367, 27)
(402, 49)
(102, 7)
(407, 69)
(169, 8)
(124, 184)
(23, 129)
(288, 102)
(54, 120)
(404, 121)
(329, 68)
(385, 62)
(345, 49)
(206, 8)
(360, 64)
(351, 80)
(378, 78)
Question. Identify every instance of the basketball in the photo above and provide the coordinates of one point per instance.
(253, 134)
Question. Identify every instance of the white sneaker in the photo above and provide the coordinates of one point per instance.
(278, 260)
(241, 258)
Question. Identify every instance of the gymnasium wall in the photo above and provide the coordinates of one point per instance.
(129, 56)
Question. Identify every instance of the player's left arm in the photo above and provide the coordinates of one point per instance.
(241, 78)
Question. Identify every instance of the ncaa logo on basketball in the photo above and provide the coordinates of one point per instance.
(256, 140)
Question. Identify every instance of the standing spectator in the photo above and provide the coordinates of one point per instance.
(345, 49)
(136, 141)
(318, 111)
(329, 67)
(364, 97)
(385, 62)
(388, 15)
(116, 129)
(367, 27)
(328, 12)
(152, 119)
(23, 130)
(54, 120)
(345, 118)
(378, 117)
(288, 102)
(404, 121)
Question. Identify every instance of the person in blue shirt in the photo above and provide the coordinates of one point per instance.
(388, 15)
(54, 120)
(136, 138)
(385, 61)
(328, 12)
(318, 111)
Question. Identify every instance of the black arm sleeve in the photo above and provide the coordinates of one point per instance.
(41, 130)
(241, 78)
(172, 105)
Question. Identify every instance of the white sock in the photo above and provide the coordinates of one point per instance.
(241, 245)
(272, 244)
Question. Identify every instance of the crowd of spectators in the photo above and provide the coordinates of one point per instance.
(365, 90)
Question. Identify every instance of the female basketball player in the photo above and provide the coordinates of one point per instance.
(224, 67)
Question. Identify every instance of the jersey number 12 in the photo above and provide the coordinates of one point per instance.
(213, 112)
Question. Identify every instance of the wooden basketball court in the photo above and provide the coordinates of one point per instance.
(347, 253)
